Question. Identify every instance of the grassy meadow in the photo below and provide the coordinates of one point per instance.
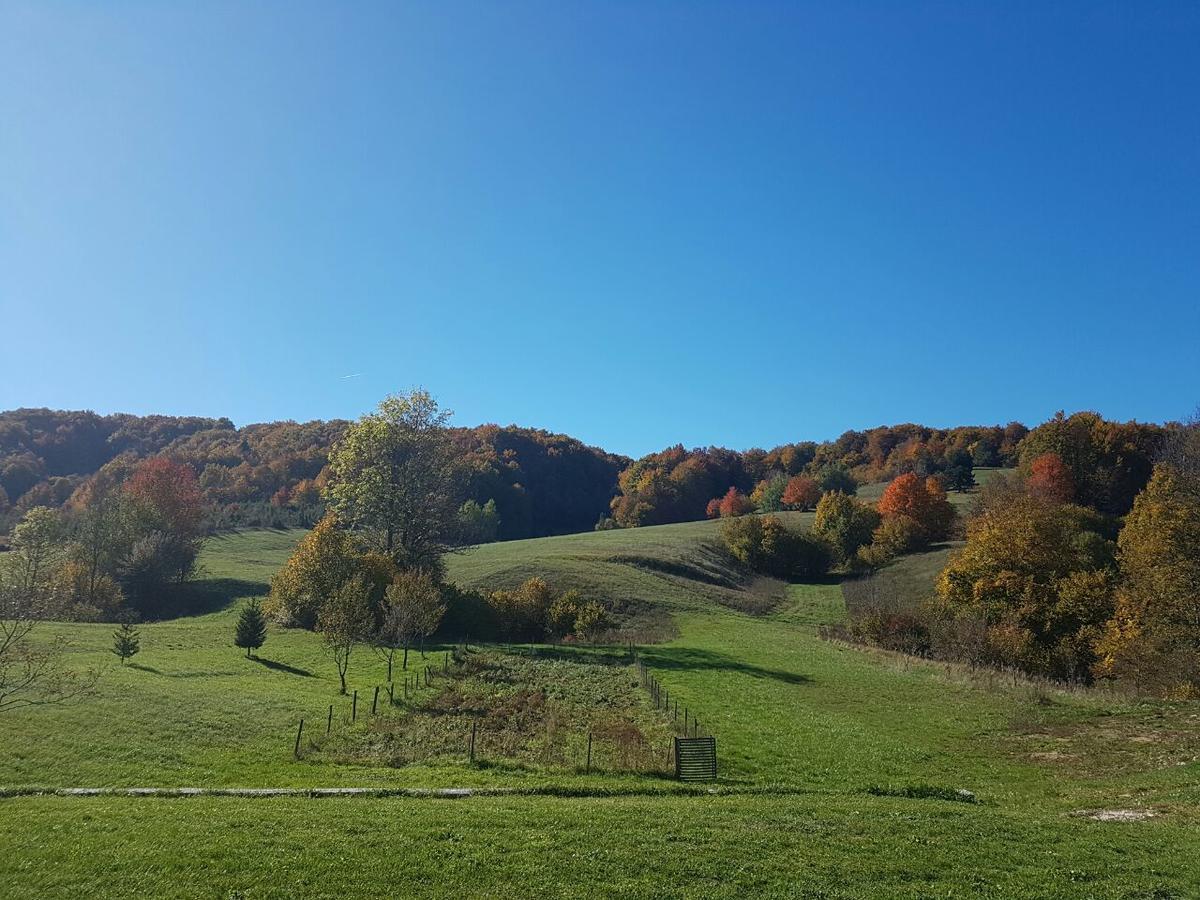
(839, 765)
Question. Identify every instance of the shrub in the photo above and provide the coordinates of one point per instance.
(536, 611)
(1038, 576)
(845, 524)
(766, 545)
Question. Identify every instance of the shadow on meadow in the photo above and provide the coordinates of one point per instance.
(693, 659)
(276, 666)
(209, 595)
(663, 658)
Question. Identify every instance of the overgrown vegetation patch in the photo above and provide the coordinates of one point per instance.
(530, 709)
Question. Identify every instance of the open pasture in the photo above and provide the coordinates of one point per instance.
(840, 766)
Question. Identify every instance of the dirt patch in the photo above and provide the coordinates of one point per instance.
(1120, 741)
(1053, 756)
(1118, 815)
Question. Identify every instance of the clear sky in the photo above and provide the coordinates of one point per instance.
(638, 223)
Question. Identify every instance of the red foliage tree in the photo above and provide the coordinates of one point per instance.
(801, 492)
(713, 510)
(167, 497)
(1050, 479)
(735, 503)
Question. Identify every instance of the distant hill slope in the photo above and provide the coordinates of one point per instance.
(271, 474)
(642, 572)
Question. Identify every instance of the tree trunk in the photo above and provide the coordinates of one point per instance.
(391, 653)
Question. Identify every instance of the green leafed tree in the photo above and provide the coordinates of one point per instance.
(345, 621)
(413, 609)
(478, 524)
(394, 481)
(33, 669)
(845, 524)
(251, 630)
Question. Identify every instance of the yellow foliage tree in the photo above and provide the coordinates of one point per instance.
(1153, 638)
(322, 564)
(1038, 577)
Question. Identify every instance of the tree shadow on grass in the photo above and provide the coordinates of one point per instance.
(663, 658)
(691, 659)
(142, 668)
(196, 598)
(276, 666)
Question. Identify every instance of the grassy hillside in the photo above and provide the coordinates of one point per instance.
(837, 762)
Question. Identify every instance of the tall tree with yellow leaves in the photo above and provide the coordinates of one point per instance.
(1153, 638)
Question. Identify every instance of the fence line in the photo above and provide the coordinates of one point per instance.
(694, 753)
(686, 726)
(413, 681)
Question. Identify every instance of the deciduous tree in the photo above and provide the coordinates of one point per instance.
(412, 610)
(734, 504)
(845, 524)
(1050, 479)
(1038, 575)
(393, 479)
(326, 559)
(801, 492)
(345, 621)
(922, 501)
(1154, 634)
(34, 671)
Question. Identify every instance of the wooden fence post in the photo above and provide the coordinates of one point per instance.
(354, 708)
(474, 722)
(299, 731)
(329, 721)
(375, 700)
(588, 770)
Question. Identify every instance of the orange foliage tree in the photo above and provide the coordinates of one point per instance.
(922, 503)
(1050, 479)
(801, 492)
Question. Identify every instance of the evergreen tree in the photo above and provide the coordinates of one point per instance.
(251, 631)
(125, 641)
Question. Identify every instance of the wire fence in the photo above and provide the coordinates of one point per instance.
(611, 747)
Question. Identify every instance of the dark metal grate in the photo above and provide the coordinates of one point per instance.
(696, 758)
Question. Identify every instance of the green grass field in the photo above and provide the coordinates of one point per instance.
(825, 751)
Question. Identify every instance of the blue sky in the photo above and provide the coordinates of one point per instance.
(637, 223)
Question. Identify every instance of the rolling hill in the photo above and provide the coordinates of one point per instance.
(842, 769)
